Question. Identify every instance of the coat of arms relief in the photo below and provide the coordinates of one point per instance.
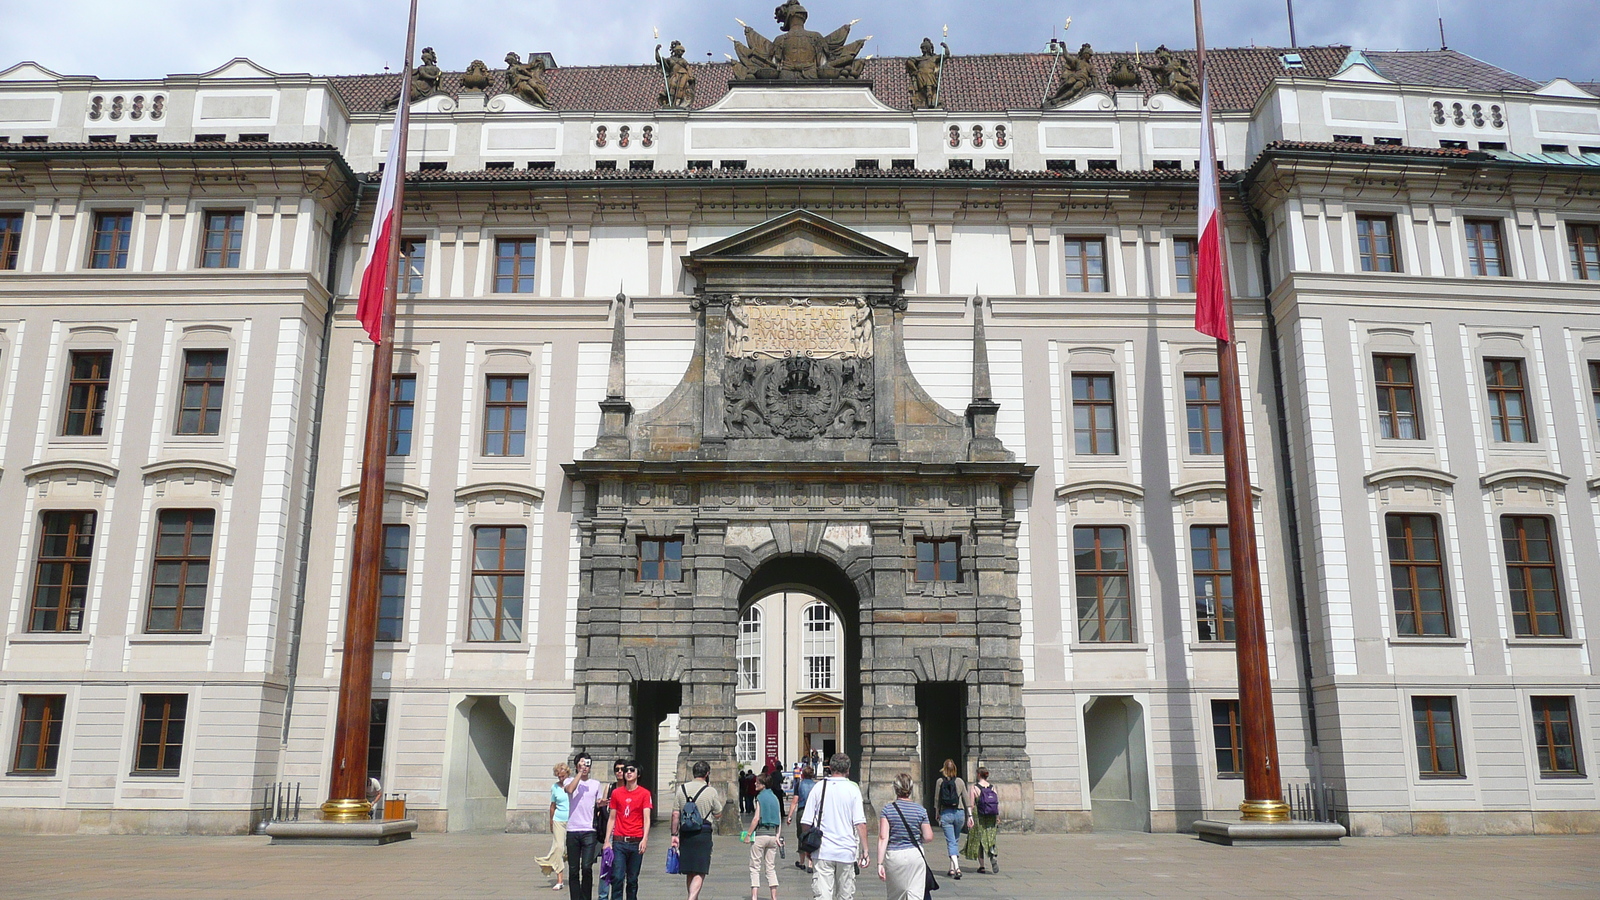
(799, 369)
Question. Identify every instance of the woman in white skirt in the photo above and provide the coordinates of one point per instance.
(902, 830)
(556, 859)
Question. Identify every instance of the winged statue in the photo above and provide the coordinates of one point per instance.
(798, 54)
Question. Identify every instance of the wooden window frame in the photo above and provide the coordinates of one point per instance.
(752, 636)
(413, 269)
(1227, 734)
(168, 750)
(1583, 250)
(377, 736)
(402, 413)
(10, 240)
(1501, 421)
(514, 271)
(91, 403)
(393, 563)
(1092, 404)
(1084, 281)
(1209, 406)
(1486, 246)
(819, 646)
(1525, 615)
(1426, 730)
(1185, 255)
(212, 384)
(654, 563)
(222, 247)
(1219, 617)
(78, 536)
(1391, 390)
(1546, 736)
(1368, 238)
(1101, 575)
(49, 723)
(186, 561)
(1407, 567)
(109, 230)
(941, 567)
(507, 434)
(1594, 388)
(499, 573)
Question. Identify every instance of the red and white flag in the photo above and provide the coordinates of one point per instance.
(375, 274)
(1211, 294)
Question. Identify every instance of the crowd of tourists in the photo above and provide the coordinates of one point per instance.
(593, 822)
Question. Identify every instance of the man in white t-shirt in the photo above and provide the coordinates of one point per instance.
(844, 832)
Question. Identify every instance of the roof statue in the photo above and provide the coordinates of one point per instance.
(798, 54)
(477, 77)
(926, 71)
(1175, 75)
(678, 75)
(426, 77)
(1077, 77)
(1124, 76)
(525, 80)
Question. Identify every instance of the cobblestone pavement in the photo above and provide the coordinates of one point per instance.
(474, 866)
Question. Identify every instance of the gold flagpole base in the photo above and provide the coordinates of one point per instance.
(1258, 811)
(346, 811)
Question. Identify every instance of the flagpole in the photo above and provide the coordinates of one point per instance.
(1263, 787)
(347, 790)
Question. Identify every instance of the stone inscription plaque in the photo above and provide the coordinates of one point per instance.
(818, 329)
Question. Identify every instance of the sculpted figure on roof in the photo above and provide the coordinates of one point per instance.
(1175, 75)
(1077, 76)
(477, 77)
(526, 80)
(798, 54)
(679, 76)
(924, 71)
(426, 77)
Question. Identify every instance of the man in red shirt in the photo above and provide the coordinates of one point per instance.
(627, 832)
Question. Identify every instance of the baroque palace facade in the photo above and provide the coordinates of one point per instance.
(806, 402)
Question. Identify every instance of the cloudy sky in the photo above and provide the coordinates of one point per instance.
(1540, 39)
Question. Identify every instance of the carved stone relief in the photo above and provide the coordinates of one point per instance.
(799, 398)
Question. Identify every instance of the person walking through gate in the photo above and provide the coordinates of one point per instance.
(955, 812)
(836, 805)
(802, 793)
(560, 807)
(764, 839)
(627, 833)
(696, 805)
(602, 815)
(902, 830)
(983, 839)
(583, 795)
(747, 791)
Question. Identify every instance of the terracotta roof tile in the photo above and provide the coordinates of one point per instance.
(709, 176)
(166, 147)
(1377, 149)
(1446, 69)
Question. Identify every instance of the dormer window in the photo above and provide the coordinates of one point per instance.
(1292, 62)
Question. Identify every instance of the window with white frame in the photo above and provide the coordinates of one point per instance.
(750, 650)
(819, 646)
(745, 749)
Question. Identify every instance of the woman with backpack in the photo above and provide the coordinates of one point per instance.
(765, 844)
(982, 840)
(955, 812)
(695, 808)
(902, 830)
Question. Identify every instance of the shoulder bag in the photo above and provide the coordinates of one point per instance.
(811, 840)
(930, 883)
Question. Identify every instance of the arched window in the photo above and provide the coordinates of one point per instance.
(745, 748)
(819, 645)
(750, 641)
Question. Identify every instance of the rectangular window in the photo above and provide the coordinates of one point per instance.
(38, 734)
(1416, 572)
(61, 573)
(513, 265)
(88, 382)
(1100, 563)
(938, 559)
(1583, 245)
(1594, 389)
(1438, 741)
(499, 566)
(1396, 380)
(1202, 395)
(402, 413)
(181, 571)
(1508, 401)
(161, 721)
(1531, 574)
(377, 737)
(113, 234)
(224, 239)
(1085, 270)
(1213, 582)
(1184, 255)
(1484, 247)
(10, 239)
(392, 582)
(1228, 735)
(1094, 415)
(205, 374)
(413, 262)
(661, 559)
(505, 428)
(1555, 732)
(1375, 242)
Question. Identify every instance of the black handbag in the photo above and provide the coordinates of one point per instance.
(929, 883)
(811, 839)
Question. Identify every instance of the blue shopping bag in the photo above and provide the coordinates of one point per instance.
(672, 860)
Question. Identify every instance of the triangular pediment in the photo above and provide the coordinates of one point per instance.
(798, 234)
(819, 701)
